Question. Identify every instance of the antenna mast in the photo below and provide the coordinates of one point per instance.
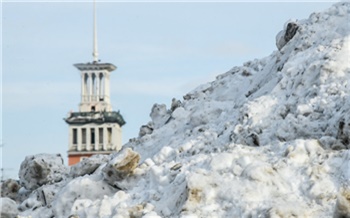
(95, 53)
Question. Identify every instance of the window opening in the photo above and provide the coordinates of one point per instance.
(92, 136)
(75, 136)
(109, 133)
(101, 80)
(100, 134)
(83, 136)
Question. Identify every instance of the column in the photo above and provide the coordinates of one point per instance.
(97, 138)
(90, 87)
(107, 87)
(79, 135)
(100, 78)
(88, 138)
(118, 137)
(105, 138)
(82, 86)
(70, 138)
(86, 87)
(97, 86)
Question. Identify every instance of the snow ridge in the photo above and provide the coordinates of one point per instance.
(266, 139)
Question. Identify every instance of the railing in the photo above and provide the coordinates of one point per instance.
(85, 98)
(93, 98)
(92, 148)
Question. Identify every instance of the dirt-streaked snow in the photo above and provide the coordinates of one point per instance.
(266, 139)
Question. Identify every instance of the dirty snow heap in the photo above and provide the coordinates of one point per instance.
(269, 138)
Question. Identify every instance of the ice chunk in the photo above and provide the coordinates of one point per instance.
(88, 165)
(89, 187)
(9, 188)
(8, 208)
(160, 115)
(40, 169)
(121, 166)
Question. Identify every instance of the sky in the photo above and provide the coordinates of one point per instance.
(163, 50)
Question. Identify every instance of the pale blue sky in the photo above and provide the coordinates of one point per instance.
(162, 50)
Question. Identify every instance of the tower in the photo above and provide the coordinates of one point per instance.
(96, 128)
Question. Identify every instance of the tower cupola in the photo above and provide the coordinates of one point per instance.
(96, 128)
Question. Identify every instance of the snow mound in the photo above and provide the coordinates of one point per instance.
(41, 169)
(266, 139)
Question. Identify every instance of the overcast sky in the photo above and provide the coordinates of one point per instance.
(162, 50)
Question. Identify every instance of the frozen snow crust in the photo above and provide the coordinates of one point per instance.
(267, 139)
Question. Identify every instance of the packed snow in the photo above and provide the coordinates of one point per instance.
(270, 138)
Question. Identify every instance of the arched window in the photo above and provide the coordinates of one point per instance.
(101, 90)
(86, 87)
(93, 77)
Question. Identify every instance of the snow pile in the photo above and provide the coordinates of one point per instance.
(267, 139)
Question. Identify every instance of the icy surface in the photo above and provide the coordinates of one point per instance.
(266, 139)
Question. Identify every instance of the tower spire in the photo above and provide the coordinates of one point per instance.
(95, 52)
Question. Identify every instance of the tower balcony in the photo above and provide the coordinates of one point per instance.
(95, 117)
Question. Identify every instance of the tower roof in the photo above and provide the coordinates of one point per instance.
(95, 66)
(95, 117)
